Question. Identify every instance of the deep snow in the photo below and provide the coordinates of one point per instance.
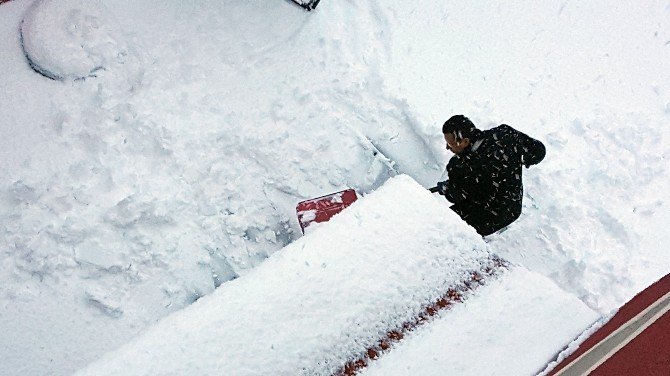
(126, 196)
(326, 298)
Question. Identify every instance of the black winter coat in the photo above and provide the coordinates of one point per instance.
(485, 182)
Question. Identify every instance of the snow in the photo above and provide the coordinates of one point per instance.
(72, 41)
(322, 300)
(126, 196)
(512, 326)
(308, 215)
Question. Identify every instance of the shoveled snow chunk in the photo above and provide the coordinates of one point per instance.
(321, 300)
(512, 326)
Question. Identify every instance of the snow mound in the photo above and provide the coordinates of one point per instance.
(155, 183)
(322, 300)
(71, 39)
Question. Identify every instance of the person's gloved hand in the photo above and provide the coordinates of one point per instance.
(443, 187)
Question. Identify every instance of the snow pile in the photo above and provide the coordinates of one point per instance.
(71, 39)
(129, 195)
(321, 301)
(522, 312)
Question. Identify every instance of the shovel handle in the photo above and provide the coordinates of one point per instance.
(433, 190)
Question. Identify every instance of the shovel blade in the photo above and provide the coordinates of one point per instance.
(321, 209)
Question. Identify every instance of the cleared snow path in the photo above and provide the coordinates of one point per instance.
(322, 300)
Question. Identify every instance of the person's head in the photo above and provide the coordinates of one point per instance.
(458, 132)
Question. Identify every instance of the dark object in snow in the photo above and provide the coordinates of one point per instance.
(321, 209)
(485, 180)
(34, 66)
(46, 72)
(307, 4)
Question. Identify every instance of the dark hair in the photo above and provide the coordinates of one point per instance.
(460, 126)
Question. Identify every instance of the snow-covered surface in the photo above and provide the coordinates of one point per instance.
(324, 299)
(73, 41)
(512, 326)
(126, 196)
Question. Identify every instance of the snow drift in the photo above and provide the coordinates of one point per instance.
(326, 298)
(129, 195)
(322, 300)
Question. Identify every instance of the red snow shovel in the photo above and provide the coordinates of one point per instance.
(321, 209)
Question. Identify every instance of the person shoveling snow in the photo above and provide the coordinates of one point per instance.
(484, 182)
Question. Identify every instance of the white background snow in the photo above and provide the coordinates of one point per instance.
(176, 164)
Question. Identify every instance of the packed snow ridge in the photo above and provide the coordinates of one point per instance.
(326, 298)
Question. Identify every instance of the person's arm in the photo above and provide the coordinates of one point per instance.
(447, 189)
(454, 193)
(532, 150)
(452, 189)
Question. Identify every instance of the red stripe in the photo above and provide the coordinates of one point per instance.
(648, 354)
(453, 296)
(631, 309)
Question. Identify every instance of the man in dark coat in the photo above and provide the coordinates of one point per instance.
(485, 173)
